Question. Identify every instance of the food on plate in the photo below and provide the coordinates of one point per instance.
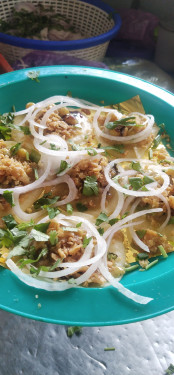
(85, 191)
(39, 22)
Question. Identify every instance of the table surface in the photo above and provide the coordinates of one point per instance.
(28, 347)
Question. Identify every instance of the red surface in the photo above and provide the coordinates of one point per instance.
(4, 65)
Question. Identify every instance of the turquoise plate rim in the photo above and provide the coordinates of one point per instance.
(93, 306)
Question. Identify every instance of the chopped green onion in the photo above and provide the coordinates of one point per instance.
(131, 268)
(36, 173)
(127, 121)
(109, 349)
(8, 196)
(156, 141)
(150, 154)
(14, 149)
(162, 251)
(72, 330)
(151, 264)
(69, 209)
(142, 256)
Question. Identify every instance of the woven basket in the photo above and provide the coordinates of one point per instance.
(90, 17)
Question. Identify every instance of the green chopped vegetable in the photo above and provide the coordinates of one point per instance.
(92, 152)
(42, 143)
(70, 229)
(90, 186)
(53, 237)
(101, 231)
(25, 129)
(78, 225)
(69, 209)
(141, 233)
(39, 236)
(111, 256)
(33, 75)
(136, 166)
(101, 219)
(171, 221)
(72, 281)
(53, 147)
(24, 262)
(52, 211)
(35, 156)
(23, 226)
(6, 126)
(113, 221)
(147, 180)
(81, 207)
(127, 121)
(142, 256)
(156, 141)
(14, 149)
(162, 251)
(136, 182)
(109, 349)
(8, 196)
(86, 241)
(46, 199)
(118, 148)
(36, 173)
(42, 227)
(150, 154)
(170, 370)
(63, 165)
(74, 329)
(9, 221)
(151, 264)
(131, 268)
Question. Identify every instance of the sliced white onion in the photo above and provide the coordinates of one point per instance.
(119, 205)
(126, 292)
(17, 210)
(164, 199)
(32, 186)
(118, 187)
(129, 218)
(149, 120)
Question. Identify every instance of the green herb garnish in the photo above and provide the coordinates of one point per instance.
(39, 236)
(86, 241)
(9, 221)
(8, 196)
(53, 237)
(131, 268)
(90, 186)
(69, 208)
(156, 141)
(14, 149)
(127, 121)
(81, 207)
(162, 251)
(74, 329)
(151, 264)
(35, 156)
(63, 165)
(101, 231)
(141, 233)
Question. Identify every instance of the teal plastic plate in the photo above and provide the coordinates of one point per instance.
(102, 306)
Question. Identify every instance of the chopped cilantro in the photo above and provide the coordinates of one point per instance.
(63, 165)
(136, 182)
(24, 262)
(6, 125)
(53, 237)
(9, 221)
(112, 221)
(90, 186)
(101, 219)
(81, 207)
(42, 227)
(147, 180)
(117, 148)
(53, 147)
(127, 121)
(86, 241)
(78, 225)
(141, 233)
(46, 199)
(111, 256)
(170, 370)
(101, 231)
(25, 129)
(72, 330)
(14, 149)
(52, 211)
(39, 236)
(8, 196)
(136, 166)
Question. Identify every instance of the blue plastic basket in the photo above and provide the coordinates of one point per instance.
(90, 17)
